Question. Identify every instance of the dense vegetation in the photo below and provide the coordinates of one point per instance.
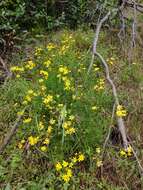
(61, 115)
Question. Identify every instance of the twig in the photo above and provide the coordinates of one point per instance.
(3, 64)
(108, 136)
(136, 157)
(10, 134)
(109, 131)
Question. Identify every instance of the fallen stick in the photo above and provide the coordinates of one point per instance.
(10, 134)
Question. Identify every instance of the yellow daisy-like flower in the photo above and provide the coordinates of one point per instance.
(41, 125)
(129, 151)
(28, 120)
(74, 160)
(120, 112)
(33, 140)
(70, 131)
(99, 163)
(46, 141)
(66, 178)
(123, 153)
(65, 164)
(58, 166)
(20, 113)
(43, 148)
(69, 172)
(49, 130)
(81, 157)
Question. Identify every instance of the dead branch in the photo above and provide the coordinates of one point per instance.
(96, 39)
(10, 134)
(4, 66)
(119, 119)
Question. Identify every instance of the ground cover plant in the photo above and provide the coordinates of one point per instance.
(65, 116)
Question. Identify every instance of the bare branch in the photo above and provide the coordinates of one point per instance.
(119, 119)
(96, 39)
(10, 134)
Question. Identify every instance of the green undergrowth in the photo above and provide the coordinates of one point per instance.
(65, 115)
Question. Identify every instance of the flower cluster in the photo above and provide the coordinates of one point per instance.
(63, 75)
(33, 140)
(67, 125)
(111, 60)
(44, 74)
(47, 100)
(126, 153)
(121, 112)
(17, 70)
(97, 157)
(38, 51)
(100, 85)
(51, 46)
(65, 168)
(29, 97)
(66, 43)
(30, 65)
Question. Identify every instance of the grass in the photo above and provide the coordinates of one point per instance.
(84, 103)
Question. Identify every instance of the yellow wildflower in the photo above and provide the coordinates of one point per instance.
(64, 70)
(48, 99)
(28, 120)
(44, 74)
(120, 112)
(17, 69)
(58, 166)
(20, 144)
(71, 117)
(18, 76)
(46, 141)
(30, 65)
(47, 63)
(70, 131)
(43, 148)
(51, 46)
(71, 165)
(41, 80)
(38, 51)
(65, 164)
(129, 151)
(20, 113)
(33, 140)
(69, 172)
(66, 178)
(74, 160)
(49, 130)
(81, 157)
(99, 163)
(123, 153)
(52, 121)
(41, 125)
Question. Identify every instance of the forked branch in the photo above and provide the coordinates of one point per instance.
(120, 120)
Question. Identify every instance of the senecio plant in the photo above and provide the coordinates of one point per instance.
(47, 107)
